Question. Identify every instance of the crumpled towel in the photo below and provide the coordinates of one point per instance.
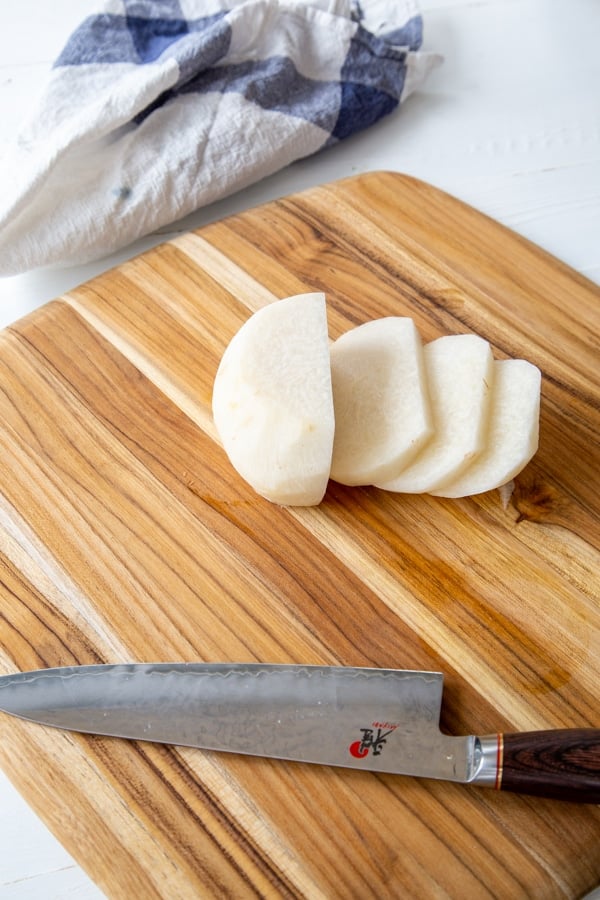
(158, 107)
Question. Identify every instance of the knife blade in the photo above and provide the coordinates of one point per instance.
(377, 720)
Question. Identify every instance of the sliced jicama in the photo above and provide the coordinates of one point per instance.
(513, 430)
(272, 401)
(380, 398)
(459, 371)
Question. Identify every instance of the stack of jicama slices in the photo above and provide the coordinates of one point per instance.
(375, 407)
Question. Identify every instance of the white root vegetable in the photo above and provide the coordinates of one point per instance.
(273, 404)
(513, 430)
(459, 371)
(375, 407)
(380, 399)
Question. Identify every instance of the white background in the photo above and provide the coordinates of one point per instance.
(510, 124)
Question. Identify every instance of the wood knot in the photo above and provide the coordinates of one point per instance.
(537, 500)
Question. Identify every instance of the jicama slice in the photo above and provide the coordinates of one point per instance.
(459, 371)
(380, 399)
(513, 430)
(272, 401)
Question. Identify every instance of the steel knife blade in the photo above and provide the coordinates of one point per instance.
(378, 720)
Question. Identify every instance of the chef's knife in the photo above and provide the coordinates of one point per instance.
(378, 720)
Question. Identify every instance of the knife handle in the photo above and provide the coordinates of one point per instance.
(563, 764)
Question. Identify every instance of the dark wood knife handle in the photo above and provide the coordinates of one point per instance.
(563, 764)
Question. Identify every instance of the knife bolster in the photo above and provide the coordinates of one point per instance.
(487, 761)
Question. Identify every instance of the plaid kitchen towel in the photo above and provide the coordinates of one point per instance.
(157, 107)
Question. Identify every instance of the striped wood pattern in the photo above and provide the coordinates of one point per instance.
(127, 536)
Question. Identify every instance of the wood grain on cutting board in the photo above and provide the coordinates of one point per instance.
(126, 535)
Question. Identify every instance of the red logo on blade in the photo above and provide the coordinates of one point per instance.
(358, 749)
(372, 741)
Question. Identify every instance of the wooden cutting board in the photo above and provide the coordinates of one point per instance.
(126, 535)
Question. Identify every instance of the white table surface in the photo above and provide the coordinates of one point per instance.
(510, 124)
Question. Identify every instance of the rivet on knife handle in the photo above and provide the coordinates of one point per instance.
(561, 764)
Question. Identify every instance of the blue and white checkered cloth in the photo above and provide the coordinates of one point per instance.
(158, 107)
